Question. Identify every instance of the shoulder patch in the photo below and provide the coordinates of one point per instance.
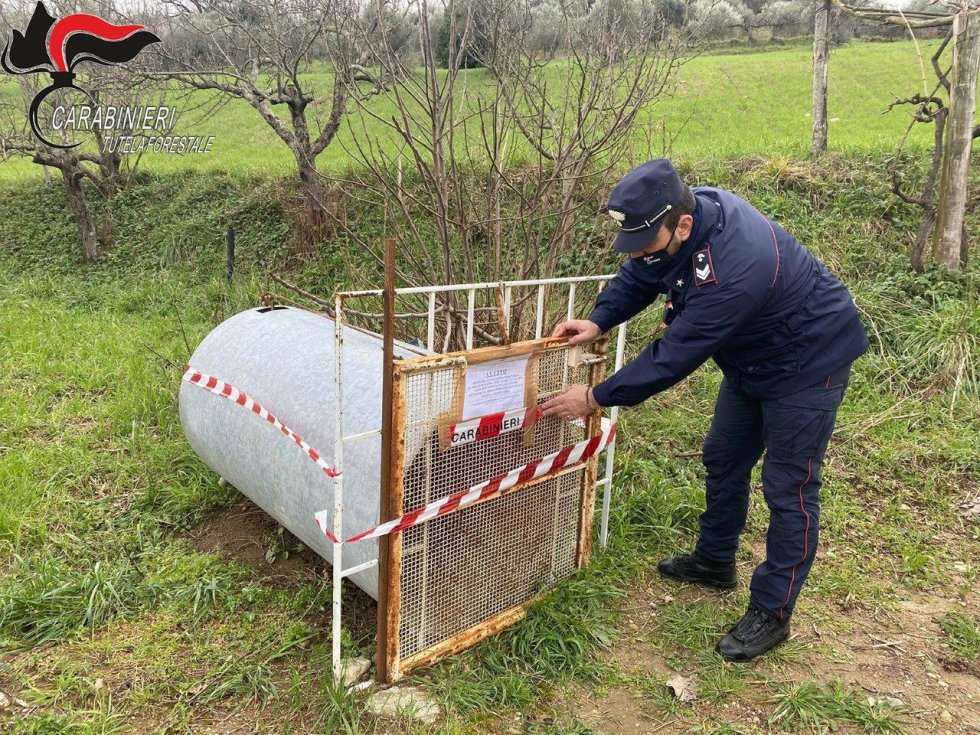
(704, 269)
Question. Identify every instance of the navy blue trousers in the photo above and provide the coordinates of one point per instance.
(794, 432)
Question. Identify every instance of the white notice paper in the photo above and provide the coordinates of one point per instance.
(494, 386)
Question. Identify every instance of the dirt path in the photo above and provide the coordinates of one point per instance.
(884, 654)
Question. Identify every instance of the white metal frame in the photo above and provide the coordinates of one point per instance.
(339, 573)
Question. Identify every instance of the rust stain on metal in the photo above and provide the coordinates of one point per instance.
(430, 362)
(391, 438)
(466, 575)
(448, 583)
(593, 426)
(391, 579)
(467, 638)
(493, 352)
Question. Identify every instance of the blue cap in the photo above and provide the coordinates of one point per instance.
(641, 200)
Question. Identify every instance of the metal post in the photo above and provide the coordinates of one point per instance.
(456, 287)
(230, 253)
(470, 315)
(611, 449)
(387, 510)
(569, 315)
(539, 318)
(430, 339)
(338, 492)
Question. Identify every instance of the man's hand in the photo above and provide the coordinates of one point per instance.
(578, 331)
(571, 404)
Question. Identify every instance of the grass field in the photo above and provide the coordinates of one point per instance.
(139, 596)
(724, 105)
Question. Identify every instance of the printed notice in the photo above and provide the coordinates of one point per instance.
(492, 387)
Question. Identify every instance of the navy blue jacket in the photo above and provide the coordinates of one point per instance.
(742, 291)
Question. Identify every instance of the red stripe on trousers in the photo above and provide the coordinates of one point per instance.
(806, 538)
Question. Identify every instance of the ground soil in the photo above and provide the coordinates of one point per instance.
(886, 653)
(244, 533)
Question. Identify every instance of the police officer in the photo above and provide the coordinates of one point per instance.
(739, 289)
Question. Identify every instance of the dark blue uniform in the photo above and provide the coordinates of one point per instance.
(784, 332)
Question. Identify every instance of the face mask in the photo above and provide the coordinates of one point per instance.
(656, 264)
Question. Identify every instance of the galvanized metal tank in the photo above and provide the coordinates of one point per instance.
(284, 359)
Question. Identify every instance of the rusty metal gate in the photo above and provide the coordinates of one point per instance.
(457, 579)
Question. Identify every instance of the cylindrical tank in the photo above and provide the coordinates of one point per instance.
(284, 359)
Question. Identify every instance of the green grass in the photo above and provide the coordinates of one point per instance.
(724, 105)
(92, 442)
(100, 487)
(963, 635)
(55, 603)
(818, 708)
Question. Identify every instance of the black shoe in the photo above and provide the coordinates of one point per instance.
(753, 635)
(697, 569)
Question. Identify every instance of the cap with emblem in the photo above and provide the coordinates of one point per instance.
(641, 200)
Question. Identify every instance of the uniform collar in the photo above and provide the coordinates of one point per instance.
(707, 215)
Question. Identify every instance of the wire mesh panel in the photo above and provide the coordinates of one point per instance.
(458, 326)
(462, 576)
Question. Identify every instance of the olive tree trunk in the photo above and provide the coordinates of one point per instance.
(821, 66)
(949, 241)
(80, 211)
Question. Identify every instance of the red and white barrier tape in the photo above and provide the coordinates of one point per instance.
(485, 490)
(226, 390)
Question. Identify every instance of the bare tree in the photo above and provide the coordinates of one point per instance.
(103, 167)
(16, 139)
(821, 70)
(492, 171)
(262, 52)
(955, 128)
(107, 172)
(577, 120)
